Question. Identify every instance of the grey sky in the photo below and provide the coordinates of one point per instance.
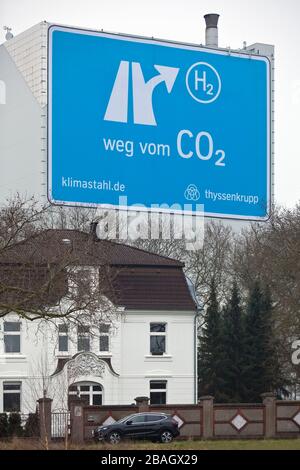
(269, 21)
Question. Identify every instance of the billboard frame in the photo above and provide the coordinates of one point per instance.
(244, 53)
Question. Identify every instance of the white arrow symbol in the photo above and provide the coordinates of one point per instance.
(117, 108)
(143, 91)
(166, 74)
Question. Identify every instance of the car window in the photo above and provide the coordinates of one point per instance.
(138, 419)
(125, 418)
(155, 417)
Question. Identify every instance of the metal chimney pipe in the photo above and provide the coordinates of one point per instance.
(211, 33)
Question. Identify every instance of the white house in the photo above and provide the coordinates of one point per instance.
(149, 348)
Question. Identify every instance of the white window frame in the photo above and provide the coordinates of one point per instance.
(102, 334)
(157, 333)
(7, 392)
(87, 335)
(12, 333)
(89, 393)
(79, 272)
(63, 333)
(165, 390)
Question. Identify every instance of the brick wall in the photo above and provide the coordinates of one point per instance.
(288, 419)
(269, 419)
(239, 421)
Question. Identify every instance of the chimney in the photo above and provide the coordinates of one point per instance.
(93, 230)
(211, 33)
(9, 34)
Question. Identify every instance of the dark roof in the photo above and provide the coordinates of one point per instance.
(141, 280)
(49, 246)
(148, 288)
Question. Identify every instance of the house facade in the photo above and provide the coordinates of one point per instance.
(147, 349)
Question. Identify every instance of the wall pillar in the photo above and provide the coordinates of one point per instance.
(77, 420)
(143, 404)
(269, 401)
(207, 416)
(45, 405)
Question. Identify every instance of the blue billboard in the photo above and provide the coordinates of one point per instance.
(157, 125)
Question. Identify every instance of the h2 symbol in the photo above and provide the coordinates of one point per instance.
(203, 82)
(206, 87)
(117, 108)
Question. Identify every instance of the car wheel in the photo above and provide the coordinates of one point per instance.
(114, 437)
(166, 437)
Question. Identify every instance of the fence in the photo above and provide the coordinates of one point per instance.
(60, 424)
(270, 419)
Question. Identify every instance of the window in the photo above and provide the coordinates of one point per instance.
(138, 419)
(63, 338)
(155, 417)
(12, 343)
(82, 280)
(157, 339)
(104, 338)
(158, 392)
(89, 391)
(11, 396)
(83, 338)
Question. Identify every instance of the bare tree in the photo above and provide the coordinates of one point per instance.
(71, 218)
(212, 261)
(40, 383)
(51, 274)
(271, 252)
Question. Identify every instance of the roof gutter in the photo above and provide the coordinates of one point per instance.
(199, 310)
(196, 317)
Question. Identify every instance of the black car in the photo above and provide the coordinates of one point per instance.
(153, 426)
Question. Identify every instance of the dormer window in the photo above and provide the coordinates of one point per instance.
(63, 338)
(83, 338)
(104, 337)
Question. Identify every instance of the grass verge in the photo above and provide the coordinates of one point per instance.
(264, 444)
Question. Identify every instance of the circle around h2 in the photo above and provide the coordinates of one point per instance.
(203, 82)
